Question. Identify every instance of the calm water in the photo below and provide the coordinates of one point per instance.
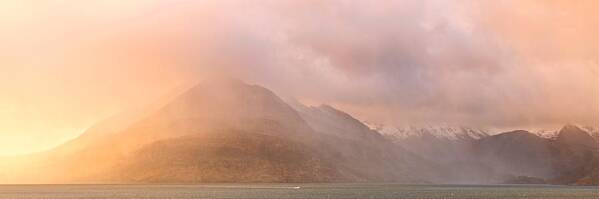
(285, 191)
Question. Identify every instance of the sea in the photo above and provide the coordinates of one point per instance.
(296, 191)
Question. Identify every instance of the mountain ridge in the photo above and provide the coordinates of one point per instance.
(253, 118)
(230, 131)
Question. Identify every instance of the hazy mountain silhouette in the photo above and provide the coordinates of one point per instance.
(363, 153)
(568, 158)
(229, 131)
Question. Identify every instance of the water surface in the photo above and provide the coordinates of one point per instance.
(293, 191)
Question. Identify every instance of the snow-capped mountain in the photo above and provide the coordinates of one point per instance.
(443, 132)
(594, 131)
(553, 134)
(547, 134)
(445, 145)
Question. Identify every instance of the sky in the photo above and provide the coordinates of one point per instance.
(66, 64)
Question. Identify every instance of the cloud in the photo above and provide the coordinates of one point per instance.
(423, 61)
(433, 61)
(492, 63)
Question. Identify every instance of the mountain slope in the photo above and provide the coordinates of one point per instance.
(441, 132)
(228, 131)
(575, 154)
(225, 157)
(447, 146)
(363, 152)
(570, 157)
(517, 153)
(210, 108)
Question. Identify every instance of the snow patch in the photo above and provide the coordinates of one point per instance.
(453, 133)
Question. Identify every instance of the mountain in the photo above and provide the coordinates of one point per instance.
(225, 157)
(575, 155)
(552, 134)
(570, 157)
(449, 147)
(442, 132)
(440, 143)
(547, 134)
(226, 131)
(472, 156)
(363, 151)
(225, 107)
(230, 131)
(516, 153)
(575, 136)
(593, 131)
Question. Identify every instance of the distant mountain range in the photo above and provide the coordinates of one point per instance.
(571, 157)
(443, 132)
(565, 156)
(552, 134)
(224, 131)
(229, 131)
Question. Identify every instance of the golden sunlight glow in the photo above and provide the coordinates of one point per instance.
(211, 91)
(66, 64)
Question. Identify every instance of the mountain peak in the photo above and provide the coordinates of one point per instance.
(519, 133)
(572, 134)
(571, 127)
(445, 132)
(229, 104)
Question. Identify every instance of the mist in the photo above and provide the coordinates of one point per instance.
(501, 64)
